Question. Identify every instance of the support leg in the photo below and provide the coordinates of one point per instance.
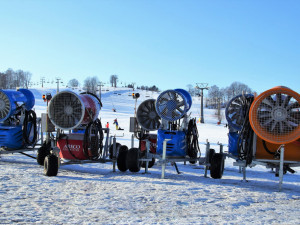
(176, 167)
(281, 167)
(163, 166)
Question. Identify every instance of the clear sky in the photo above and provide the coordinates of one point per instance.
(168, 43)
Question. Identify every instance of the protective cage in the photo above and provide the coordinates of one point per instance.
(68, 110)
(172, 105)
(236, 111)
(275, 115)
(147, 116)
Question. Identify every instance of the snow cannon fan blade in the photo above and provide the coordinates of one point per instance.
(275, 115)
(10, 102)
(172, 105)
(236, 111)
(68, 110)
(147, 116)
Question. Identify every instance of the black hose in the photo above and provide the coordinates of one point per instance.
(192, 139)
(71, 153)
(29, 120)
(245, 139)
(95, 145)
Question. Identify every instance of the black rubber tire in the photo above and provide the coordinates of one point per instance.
(51, 165)
(192, 162)
(133, 160)
(210, 154)
(122, 158)
(111, 149)
(151, 163)
(217, 166)
(42, 152)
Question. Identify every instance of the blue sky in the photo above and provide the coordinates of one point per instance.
(166, 43)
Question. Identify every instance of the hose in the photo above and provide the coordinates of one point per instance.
(95, 142)
(192, 139)
(29, 121)
(245, 139)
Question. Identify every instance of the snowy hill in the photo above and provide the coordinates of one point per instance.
(93, 194)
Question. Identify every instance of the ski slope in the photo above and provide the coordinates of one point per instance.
(93, 194)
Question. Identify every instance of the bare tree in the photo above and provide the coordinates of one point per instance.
(10, 77)
(215, 95)
(3, 81)
(73, 83)
(238, 88)
(114, 80)
(90, 84)
(27, 79)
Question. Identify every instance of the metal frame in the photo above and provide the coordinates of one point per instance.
(164, 159)
(4, 151)
(268, 163)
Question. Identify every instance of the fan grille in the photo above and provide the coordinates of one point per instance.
(171, 105)
(236, 111)
(66, 110)
(275, 115)
(147, 116)
(4, 106)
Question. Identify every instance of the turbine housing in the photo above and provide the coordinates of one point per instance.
(275, 115)
(11, 101)
(172, 105)
(68, 110)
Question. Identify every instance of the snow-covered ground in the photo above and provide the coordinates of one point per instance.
(93, 194)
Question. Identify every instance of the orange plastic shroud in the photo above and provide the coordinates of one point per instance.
(262, 132)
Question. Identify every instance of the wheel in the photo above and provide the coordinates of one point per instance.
(151, 163)
(122, 158)
(51, 165)
(217, 166)
(192, 162)
(42, 152)
(210, 155)
(111, 150)
(133, 160)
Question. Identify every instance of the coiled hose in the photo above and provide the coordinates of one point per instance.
(245, 139)
(29, 124)
(192, 139)
(93, 140)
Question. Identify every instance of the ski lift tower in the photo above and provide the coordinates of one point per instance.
(100, 84)
(57, 82)
(201, 87)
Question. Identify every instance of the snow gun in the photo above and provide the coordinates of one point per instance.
(77, 113)
(265, 129)
(83, 142)
(168, 115)
(18, 128)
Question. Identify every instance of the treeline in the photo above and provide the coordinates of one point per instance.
(11, 79)
(222, 96)
(219, 97)
(152, 88)
(92, 84)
